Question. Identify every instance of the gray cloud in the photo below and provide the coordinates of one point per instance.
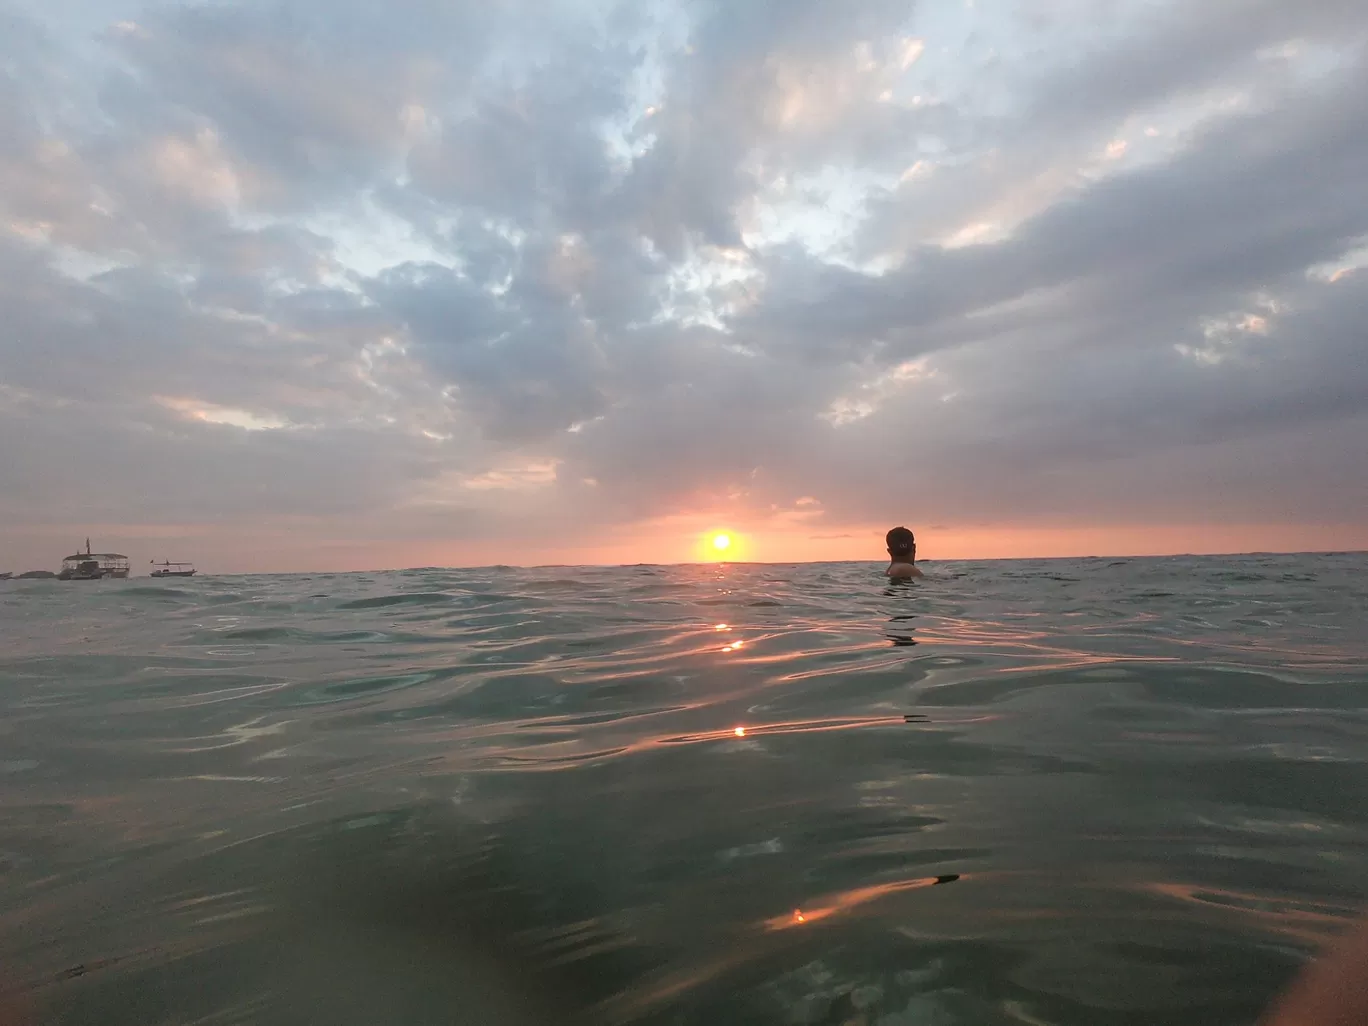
(448, 271)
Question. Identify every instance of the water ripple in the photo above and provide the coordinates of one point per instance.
(715, 794)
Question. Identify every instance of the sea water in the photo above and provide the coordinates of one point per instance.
(1041, 792)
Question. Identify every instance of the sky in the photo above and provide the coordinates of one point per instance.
(305, 285)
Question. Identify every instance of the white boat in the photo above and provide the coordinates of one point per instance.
(169, 569)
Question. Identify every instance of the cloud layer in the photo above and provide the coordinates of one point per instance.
(311, 283)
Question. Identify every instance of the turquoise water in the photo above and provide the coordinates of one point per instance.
(1060, 792)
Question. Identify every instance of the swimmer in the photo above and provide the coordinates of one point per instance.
(902, 550)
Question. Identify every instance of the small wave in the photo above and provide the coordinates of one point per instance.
(370, 685)
(547, 762)
(261, 634)
(355, 687)
(418, 598)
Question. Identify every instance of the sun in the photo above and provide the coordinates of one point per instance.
(718, 545)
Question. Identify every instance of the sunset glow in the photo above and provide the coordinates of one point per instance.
(722, 542)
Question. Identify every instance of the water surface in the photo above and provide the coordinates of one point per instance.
(1049, 792)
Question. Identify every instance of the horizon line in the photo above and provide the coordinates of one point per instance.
(812, 562)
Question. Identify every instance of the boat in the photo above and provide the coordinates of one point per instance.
(6, 577)
(92, 566)
(169, 569)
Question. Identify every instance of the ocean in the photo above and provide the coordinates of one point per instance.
(1026, 792)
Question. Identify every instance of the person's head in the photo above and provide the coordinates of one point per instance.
(902, 546)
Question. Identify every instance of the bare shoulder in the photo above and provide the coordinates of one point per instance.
(903, 570)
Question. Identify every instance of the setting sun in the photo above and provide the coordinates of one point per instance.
(721, 545)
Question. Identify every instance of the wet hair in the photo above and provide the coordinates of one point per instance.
(901, 543)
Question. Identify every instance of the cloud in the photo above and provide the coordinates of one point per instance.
(451, 275)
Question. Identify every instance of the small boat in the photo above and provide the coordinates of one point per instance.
(169, 569)
(91, 566)
(6, 577)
